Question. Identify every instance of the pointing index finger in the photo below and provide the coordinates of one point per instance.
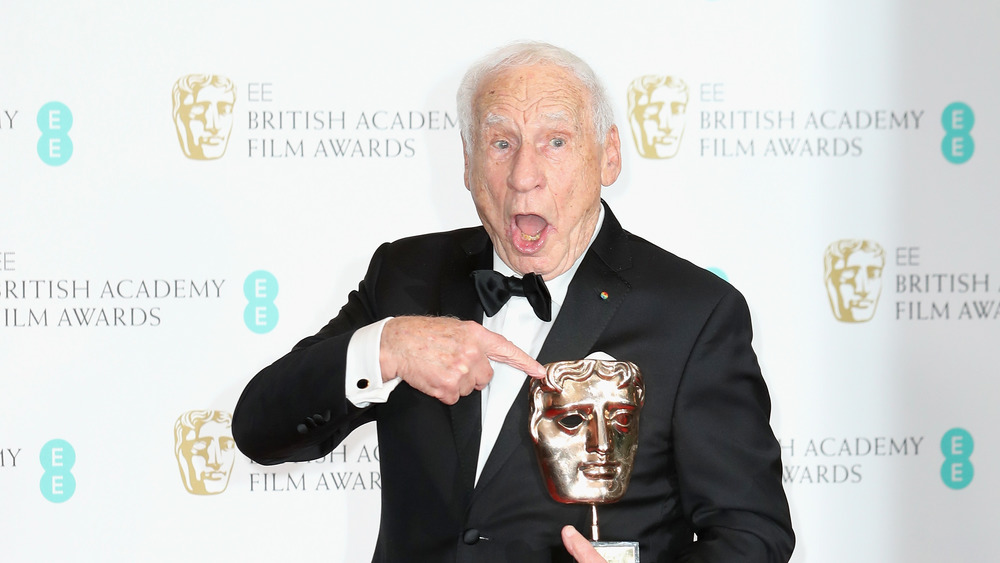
(499, 349)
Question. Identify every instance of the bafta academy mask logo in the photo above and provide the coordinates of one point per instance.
(657, 108)
(853, 276)
(585, 426)
(203, 114)
(205, 450)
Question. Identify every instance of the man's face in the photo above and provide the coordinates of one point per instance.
(857, 281)
(658, 122)
(208, 453)
(207, 117)
(586, 439)
(535, 167)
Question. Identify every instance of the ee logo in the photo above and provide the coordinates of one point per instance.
(957, 470)
(57, 458)
(957, 144)
(260, 289)
(719, 272)
(54, 120)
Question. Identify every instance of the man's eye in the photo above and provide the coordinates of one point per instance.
(570, 421)
(501, 144)
(558, 143)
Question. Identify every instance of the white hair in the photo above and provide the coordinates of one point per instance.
(527, 53)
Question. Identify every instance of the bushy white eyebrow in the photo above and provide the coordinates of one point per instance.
(493, 119)
(557, 116)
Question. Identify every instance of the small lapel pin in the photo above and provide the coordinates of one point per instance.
(604, 295)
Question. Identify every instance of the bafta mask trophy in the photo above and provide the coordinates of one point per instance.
(585, 425)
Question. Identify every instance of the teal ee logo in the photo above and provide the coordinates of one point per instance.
(55, 146)
(957, 470)
(260, 289)
(57, 458)
(957, 121)
(719, 272)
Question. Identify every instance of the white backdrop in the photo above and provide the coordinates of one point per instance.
(806, 124)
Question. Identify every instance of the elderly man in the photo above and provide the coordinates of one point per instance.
(437, 349)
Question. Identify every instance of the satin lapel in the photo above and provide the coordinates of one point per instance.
(596, 292)
(594, 295)
(458, 299)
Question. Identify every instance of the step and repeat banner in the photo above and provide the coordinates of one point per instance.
(189, 188)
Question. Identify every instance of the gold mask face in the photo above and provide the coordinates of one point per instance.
(203, 114)
(853, 276)
(657, 111)
(205, 450)
(585, 425)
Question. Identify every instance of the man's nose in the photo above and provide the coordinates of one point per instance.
(526, 172)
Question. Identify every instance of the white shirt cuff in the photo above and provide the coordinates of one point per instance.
(363, 375)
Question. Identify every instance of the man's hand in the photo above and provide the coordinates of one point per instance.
(579, 547)
(447, 358)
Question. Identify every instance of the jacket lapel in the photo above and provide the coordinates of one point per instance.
(459, 300)
(596, 292)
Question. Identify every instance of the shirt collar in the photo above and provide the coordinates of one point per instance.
(559, 285)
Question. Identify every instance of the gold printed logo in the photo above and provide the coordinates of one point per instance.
(852, 270)
(205, 450)
(657, 110)
(203, 114)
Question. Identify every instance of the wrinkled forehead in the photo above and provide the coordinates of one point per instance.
(531, 93)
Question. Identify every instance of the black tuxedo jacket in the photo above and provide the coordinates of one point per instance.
(707, 462)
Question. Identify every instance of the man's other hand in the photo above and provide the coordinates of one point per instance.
(447, 358)
(579, 547)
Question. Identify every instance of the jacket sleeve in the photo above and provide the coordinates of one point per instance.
(728, 460)
(295, 409)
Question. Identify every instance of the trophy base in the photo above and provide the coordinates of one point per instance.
(618, 551)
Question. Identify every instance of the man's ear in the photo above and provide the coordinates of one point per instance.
(611, 160)
(465, 153)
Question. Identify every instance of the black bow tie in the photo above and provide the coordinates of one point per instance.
(495, 289)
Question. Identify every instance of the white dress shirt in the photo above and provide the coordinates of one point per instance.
(516, 321)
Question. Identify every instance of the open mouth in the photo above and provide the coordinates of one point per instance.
(528, 232)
